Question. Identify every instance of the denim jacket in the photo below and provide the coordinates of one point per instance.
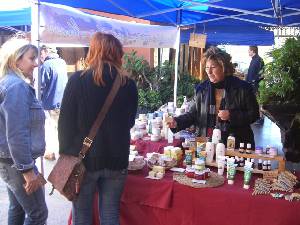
(22, 123)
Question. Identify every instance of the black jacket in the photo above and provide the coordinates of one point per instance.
(81, 104)
(255, 67)
(241, 103)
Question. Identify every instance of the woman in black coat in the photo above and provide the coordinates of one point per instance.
(223, 100)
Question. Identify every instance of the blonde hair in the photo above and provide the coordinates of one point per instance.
(11, 51)
(104, 48)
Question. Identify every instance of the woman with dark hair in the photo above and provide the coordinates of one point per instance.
(22, 134)
(107, 160)
(223, 100)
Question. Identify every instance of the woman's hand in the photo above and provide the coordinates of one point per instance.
(224, 114)
(171, 122)
(32, 182)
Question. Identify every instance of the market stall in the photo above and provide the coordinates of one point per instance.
(266, 195)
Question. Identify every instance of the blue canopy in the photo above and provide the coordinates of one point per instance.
(15, 13)
(187, 12)
(243, 33)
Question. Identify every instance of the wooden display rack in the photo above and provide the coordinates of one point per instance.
(280, 159)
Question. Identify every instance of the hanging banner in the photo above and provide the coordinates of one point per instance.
(63, 25)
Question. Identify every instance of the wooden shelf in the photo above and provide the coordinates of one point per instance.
(280, 159)
(214, 164)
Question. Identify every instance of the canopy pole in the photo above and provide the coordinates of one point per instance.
(35, 39)
(177, 47)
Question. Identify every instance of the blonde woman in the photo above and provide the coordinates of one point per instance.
(22, 137)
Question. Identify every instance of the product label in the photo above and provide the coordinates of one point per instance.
(230, 144)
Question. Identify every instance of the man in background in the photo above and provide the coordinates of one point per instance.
(255, 68)
(54, 78)
(255, 71)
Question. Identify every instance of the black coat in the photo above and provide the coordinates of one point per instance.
(81, 104)
(255, 67)
(241, 103)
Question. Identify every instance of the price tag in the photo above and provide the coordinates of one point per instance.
(270, 175)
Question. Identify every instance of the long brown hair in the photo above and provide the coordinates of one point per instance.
(221, 57)
(104, 49)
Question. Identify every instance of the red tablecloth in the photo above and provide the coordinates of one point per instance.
(226, 205)
(166, 202)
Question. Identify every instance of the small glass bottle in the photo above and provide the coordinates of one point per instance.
(253, 163)
(260, 164)
(265, 165)
(248, 149)
(231, 142)
(267, 149)
(237, 161)
(242, 148)
(269, 165)
(242, 162)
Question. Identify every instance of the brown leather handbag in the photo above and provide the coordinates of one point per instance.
(68, 172)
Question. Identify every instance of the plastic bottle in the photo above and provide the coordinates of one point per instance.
(220, 149)
(231, 142)
(210, 150)
(170, 136)
(216, 136)
(185, 104)
(149, 126)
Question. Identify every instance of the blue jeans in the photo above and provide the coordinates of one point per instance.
(110, 185)
(20, 204)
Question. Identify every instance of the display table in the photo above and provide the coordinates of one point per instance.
(154, 202)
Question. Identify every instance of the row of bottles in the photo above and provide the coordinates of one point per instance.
(210, 150)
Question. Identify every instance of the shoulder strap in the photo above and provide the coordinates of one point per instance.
(87, 142)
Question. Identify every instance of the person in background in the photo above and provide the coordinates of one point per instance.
(54, 78)
(255, 68)
(107, 160)
(22, 134)
(223, 100)
(254, 75)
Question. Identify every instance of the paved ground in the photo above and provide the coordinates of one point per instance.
(59, 208)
